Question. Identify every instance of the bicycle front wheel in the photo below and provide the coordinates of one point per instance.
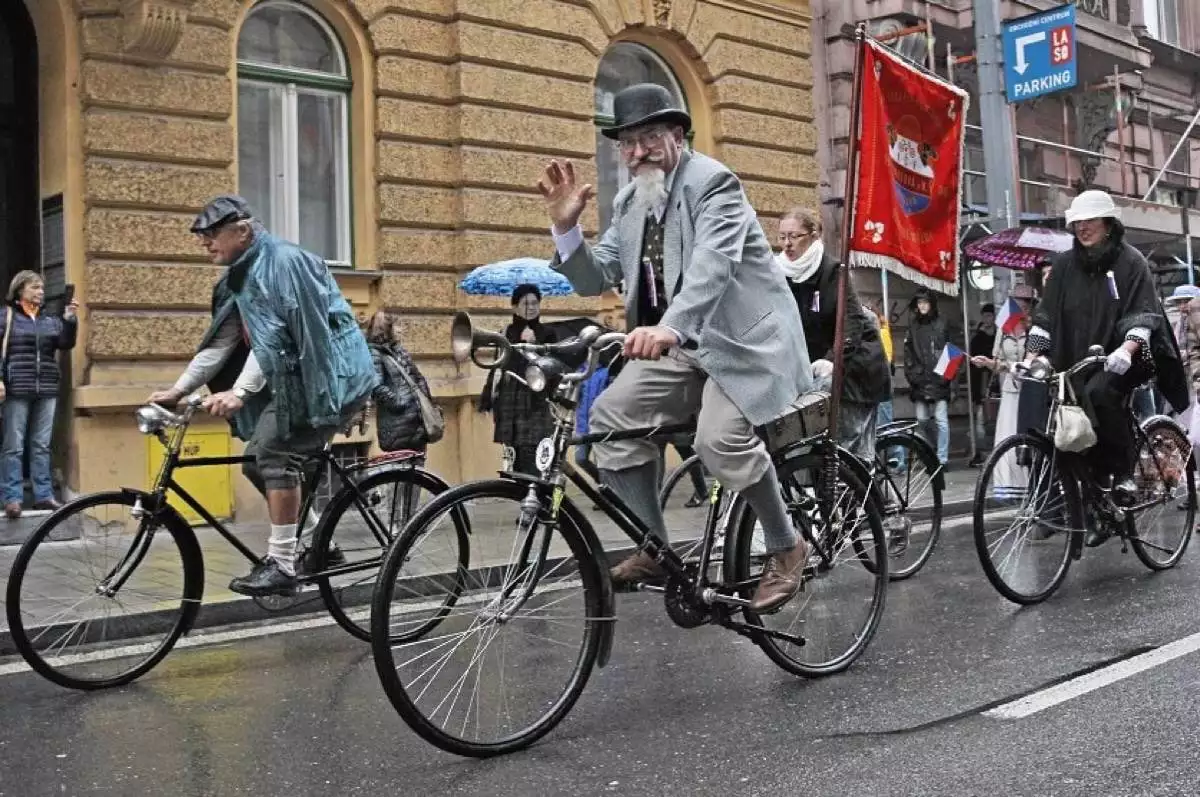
(359, 525)
(514, 652)
(1027, 511)
(99, 573)
(1165, 514)
(909, 480)
(841, 603)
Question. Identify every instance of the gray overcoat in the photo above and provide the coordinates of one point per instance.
(730, 299)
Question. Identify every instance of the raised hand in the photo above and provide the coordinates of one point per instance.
(565, 200)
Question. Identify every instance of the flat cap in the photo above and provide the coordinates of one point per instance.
(221, 210)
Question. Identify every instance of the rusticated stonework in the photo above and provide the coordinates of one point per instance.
(153, 27)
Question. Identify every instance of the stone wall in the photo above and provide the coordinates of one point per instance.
(457, 106)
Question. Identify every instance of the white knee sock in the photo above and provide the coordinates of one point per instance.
(282, 547)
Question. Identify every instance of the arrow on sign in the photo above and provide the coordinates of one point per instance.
(1022, 43)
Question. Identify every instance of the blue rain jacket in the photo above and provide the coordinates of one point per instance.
(303, 334)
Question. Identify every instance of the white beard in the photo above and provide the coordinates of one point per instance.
(650, 189)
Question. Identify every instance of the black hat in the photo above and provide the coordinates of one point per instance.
(524, 289)
(644, 104)
(221, 210)
(988, 308)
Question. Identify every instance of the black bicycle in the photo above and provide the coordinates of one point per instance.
(1034, 503)
(125, 567)
(907, 481)
(514, 654)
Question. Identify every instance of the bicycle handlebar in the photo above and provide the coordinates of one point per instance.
(1022, 371)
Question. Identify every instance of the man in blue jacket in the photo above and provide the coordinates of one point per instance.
(286, 363)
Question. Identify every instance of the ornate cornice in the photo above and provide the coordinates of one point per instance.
(662, 12)
(153, 27)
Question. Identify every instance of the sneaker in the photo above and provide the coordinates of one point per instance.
(308, 561)
(897, 528)
(267, 578)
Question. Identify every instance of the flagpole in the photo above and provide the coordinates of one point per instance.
(839, 341)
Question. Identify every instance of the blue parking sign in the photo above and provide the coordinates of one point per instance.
(1039, 54)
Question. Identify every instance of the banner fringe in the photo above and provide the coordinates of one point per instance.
(892, 265)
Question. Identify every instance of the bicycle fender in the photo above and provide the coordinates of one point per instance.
(608, 607)
(189, 548)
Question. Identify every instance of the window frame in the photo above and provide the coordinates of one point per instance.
(294, 81)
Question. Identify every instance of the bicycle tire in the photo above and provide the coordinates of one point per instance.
(739, 563)
(1141, 547)
(928, 459)
(335, 597)
(1071, 504)
(591, 575)
(192, 589)
(676, 476)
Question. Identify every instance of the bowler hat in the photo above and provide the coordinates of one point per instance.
(644, 104)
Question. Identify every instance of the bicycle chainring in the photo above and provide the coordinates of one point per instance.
(685, 609)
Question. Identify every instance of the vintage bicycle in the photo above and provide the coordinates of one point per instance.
(534, 614)
(1027, 533)
(125, 567)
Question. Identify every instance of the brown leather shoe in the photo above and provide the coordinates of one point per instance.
(12, 510)
(639, 567)
(781, 579)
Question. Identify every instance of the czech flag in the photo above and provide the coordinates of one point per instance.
(1010, 315)
(951, 360)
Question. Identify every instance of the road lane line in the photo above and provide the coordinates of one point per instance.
(205, 638)
(1097, 679)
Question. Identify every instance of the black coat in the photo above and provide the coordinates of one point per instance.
(397, 409)
(522, 417)
(923, 347)
(31, 369)
(1079, 310)
(867, 378)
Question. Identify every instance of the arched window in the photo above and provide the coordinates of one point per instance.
(293, 151)
(624, 64)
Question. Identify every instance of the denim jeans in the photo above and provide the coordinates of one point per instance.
(32, 418)
(941, 417)
(884, 415)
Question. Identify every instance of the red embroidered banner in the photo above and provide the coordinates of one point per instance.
(907, 196)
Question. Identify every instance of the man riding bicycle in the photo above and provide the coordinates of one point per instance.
(286, 363)
(703, 289)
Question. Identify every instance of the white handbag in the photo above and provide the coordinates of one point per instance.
(1073, 430)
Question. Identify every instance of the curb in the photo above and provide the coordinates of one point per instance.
(243, 610)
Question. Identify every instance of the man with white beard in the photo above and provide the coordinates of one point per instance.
(714, 328)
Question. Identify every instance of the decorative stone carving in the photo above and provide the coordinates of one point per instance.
(662, 12)
(153, 27)
(1095, 121)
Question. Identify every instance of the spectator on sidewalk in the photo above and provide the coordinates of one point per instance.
(399, 421)
(930, 393)
(983, 342)
(31, 342)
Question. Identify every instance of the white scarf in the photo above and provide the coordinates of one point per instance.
(806, 265)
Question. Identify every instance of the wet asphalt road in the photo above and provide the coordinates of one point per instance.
(676, 712)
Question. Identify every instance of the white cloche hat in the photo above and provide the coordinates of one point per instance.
(1092, 204)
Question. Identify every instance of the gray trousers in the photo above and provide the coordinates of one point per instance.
(672, 390)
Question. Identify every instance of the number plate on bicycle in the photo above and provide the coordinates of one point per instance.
(808, 416)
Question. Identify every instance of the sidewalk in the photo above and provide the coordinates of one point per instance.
(222, 562)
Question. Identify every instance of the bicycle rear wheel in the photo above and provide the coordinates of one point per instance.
(1027, 512)
(515, 651)
(845, 582)
(1161, 525)
(912, 501)
(96, 574)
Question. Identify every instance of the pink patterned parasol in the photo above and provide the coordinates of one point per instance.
(1020, 247)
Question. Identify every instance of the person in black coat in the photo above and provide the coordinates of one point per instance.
(522, 417)
(930, 393)
(1102, 293)
(812, 277)
(31, 380)
(398, 419)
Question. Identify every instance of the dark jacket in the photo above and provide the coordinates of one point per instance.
(1079, 310)
(522, 417)
(867, 377)
(397, 409)
(923, 347)
(31, 370)
(983, 344)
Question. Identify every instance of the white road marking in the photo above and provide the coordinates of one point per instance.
(202, 638)
(1090, 682)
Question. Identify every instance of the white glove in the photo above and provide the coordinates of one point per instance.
(1118, 362)
(822, 369)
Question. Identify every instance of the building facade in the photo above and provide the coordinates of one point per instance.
(400, 139)
(1138, 92)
